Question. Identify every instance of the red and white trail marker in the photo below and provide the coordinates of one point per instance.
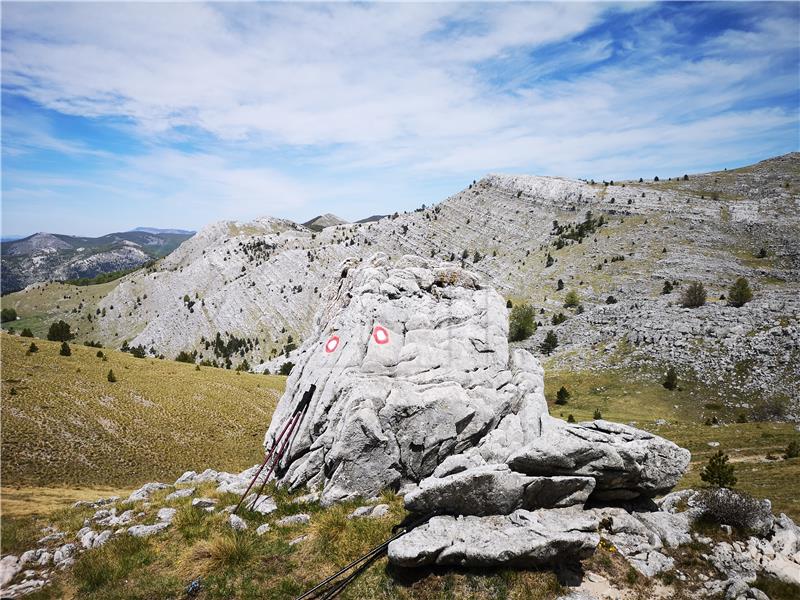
(380, 334)
(332, 344)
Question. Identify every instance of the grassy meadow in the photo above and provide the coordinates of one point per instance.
(65, 425)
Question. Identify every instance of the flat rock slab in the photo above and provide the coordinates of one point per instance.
(521, 539)
(626, 462)
(495, 490)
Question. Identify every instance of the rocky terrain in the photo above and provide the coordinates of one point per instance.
(53, 257)
(411, 385)
(249, 291)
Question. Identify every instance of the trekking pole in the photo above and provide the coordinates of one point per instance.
(263, 464)
(362, 562)
(296, 417)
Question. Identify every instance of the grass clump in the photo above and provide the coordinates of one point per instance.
(111, 562)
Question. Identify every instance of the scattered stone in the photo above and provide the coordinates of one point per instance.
(144, 492)
(298, 540)
(187, 477)
(237, 522)
(184, 493)
(101, 538)
(307, 498)
(262, 529)
(204, 503)
(53, 537)
(261, 504)
(147, 530)
(298, 519)
(165, 515)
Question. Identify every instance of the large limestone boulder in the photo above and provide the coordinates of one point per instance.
(626, 462)
(521, 539)
(411, 365)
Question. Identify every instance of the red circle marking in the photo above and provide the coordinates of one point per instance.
(332, 344)
(380, 335)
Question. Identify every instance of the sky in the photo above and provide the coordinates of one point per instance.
(177, 115)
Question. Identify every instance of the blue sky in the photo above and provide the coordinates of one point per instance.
(120, 115)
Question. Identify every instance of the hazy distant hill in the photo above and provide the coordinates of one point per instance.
(157, 230)
(57, 257)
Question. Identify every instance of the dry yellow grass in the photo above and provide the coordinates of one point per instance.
(64, 423)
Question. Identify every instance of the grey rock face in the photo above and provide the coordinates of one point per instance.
(496, 490)
(298, 519)
(144, 492)
(626, 462)
(147, 530)
(523, 538)
(411, 365)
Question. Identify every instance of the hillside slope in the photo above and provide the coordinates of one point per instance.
(239, 291)
(64, 423)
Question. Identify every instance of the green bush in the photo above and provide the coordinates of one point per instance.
(694, 296)
(671, 380)
(792, 450)
(26, 332)
(286, 368)
(33, 348)
(111, 377)
(8, 314)
(521, 322)
(597, 414)
(570, 418)
(718, 472)
(740, 293)
(562, 396)
(59, 332)
(571, 300)
(65, 349)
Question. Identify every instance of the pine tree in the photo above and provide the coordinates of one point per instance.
(560, 285)
(550, 342)
(740, 293)
(33, 348)
(562, 396)
(671, 380)
(111, 377)
(65, 350)
(26, 332)
(718, 472)
(570, 418)
(667, 289)
(597, 414)
(59, 332)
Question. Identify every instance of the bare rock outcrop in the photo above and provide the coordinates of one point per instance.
(411, 365)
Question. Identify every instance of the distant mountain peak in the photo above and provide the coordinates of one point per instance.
(158, 230)
(322, 221)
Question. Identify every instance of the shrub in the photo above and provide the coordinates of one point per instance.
(26, 333)
(667, 289)
(571, 299)
(59, 332)
(694, 295)
(65, 349)
(597, 414)
(8, 314)
(792, 450)
(740, 293)
(550, 342)
(737, 509)
(509, 304)
(562, 396)
(33, 348)
(100, 354)
(671, 380)
(184, 357)
(521, 322)
(550, 261)
(286, 368)
(718, 472)
(560, 285)
(111, 377)
(611, 300)
(570, 418)
(762, 253)
(558, 319)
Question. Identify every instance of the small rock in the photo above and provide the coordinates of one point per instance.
(204, 503)
(187, 477)
(298, 540)
(101, 538)
(165, 515)
(380, 511)
(261, 504)
(147, 530)
(144, 492)
(298, 519)
(184, 493)
(713, 444)
(262, 529)
(237, 522)
(9, 567)
(53, 537)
